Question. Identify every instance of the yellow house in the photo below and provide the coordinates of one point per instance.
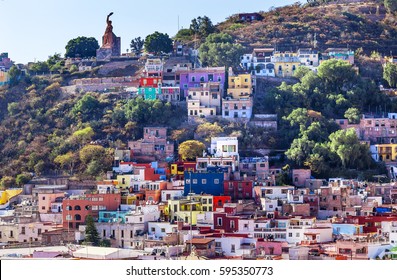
(124, 181)
(7, 195)
(188, 208)
(240, 86)
(384, 152)
(286, 63)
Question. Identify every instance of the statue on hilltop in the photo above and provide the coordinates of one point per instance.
(108, 37)
(111, 44)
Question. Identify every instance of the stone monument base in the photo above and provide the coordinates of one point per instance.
(104, 54)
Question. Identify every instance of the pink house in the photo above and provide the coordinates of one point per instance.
(299, 176)
(264, 247)
(50, 202)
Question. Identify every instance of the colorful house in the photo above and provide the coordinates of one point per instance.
(4, 78)
(208, 183)
(286, 63)
(204, 100)
(150, 82)
(193, 78)
(384, 152)
(186, 209)
(75, 209)
(238, 189)
(154, 144)
(149, 93)
(239, 86)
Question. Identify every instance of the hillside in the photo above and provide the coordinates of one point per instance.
(364, 24)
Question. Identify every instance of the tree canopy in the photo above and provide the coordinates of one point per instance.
(391, 5)
(390, 74)
(219, 49)
(137, 45)
(158, 43)
(202, 26)
(91, 232)
(83, 47)
(191, 149)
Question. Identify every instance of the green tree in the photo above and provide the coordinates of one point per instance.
(391, 5)
(7, 182)
(137, 45)
(347, 146)
(83, 47)
(14, 74)
(184, 34)
(207, 130)
(96, 159)
(67, 161)
(39, 67)
(191, 149)
(301, 72)
(87, 107)
(158, 43)
(91, 232)
(202, 26)
(22, 179)
(83, 135)
(390, 74)
(220, 50)
(55, 62)
(300, 150)
(336, 75)
(353, 115)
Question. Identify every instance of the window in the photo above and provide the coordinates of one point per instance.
(219, 221)
(290, 234)
(194, 181)
(214, 96)
(216, 181)
(162, 229)
(38, 231)
(43, 198)
(23, 230)
(122, 233)
(297, 234)
(11, 233)
(232, 224)
(193, 79)
(42, 207)
(77, 207)
(210, 201)
(218, 244)
(233, 249)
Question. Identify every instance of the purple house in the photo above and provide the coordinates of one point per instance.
(193, 78)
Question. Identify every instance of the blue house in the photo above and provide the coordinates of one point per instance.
(112, 216)
(208, 183)
(349, 229)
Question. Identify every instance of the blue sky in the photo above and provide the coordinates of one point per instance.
(34, 29)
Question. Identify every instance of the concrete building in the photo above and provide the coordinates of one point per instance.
(204, 100)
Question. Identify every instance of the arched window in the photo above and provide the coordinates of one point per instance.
(77, 217)
(77, 207)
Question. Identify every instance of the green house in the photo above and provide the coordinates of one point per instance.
(149, 93)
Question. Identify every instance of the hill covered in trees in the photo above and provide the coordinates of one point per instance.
(360, 24)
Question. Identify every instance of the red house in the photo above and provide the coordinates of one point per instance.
(75, 209)
(149, 82)
(219, 201)
(371, 223)
(226, 222)
(238, 189)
